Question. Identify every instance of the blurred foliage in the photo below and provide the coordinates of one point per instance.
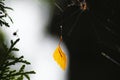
(7, 58)
(3, 14)
(1, 36)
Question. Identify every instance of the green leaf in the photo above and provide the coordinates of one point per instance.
(11, 42)
(8, 8)
(27, 76)
(15, 49)
(10, 18)
(22, 68)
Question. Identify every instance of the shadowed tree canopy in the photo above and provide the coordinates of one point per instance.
(92, 37)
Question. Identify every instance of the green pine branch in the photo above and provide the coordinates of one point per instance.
(3, 14)
(5, 67)
(7, 58)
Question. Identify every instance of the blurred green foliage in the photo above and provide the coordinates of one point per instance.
(3, 14)
(7, 58)
(1, 36)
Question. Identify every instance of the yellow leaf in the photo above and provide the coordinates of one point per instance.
(60, 57)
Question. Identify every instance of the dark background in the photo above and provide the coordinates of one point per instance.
(87, 34)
